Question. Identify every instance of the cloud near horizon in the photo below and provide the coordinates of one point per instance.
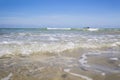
(60, 20)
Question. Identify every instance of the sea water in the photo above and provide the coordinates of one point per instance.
(100, 47)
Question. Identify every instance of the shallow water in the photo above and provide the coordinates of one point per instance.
(61, 54)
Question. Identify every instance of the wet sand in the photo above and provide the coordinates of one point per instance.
(50, 66)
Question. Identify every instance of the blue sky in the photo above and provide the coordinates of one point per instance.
(60, 13)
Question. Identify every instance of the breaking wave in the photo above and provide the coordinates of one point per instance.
(29, 41)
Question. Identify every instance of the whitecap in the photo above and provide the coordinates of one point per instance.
(93, 29)
(58, 28)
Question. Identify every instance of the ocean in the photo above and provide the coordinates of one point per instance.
(71, 53)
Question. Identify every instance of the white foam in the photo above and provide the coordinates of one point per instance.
(93, 29)
(7, 77)
(11, 42)
(87, 45)
(103, 74)
(116, 44)
(77, 75)
(82, 76)
(83, 61)
(49, 42)
(115, 59)
(94, 53)
(35, 47)
(22, 34)
(66, 70)
(53, 39)
(5, 42)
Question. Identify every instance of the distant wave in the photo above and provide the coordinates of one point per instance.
(93, 29)
(58, 28)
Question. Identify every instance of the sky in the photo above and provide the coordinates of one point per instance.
(60, 13)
